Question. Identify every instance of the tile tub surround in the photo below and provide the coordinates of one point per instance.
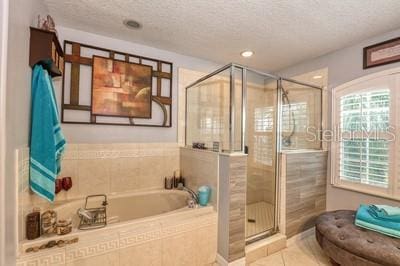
(200, 167)
(304, 176)
(100, 168)
(186, 238)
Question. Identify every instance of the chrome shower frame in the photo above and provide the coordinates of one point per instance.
(232, 109)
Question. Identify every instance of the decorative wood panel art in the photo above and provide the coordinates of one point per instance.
(77, 87)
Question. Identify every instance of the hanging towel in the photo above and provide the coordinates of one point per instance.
(47, 142)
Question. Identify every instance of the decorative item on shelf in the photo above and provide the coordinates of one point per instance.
(168, 183)
(199, 145)
(383, 53)
(58, 185)
(216, 146)
(49, 220)
(66, 183)
(46, 23)
(33, 224)
(53, 243)
(64, 227)
(45, 49)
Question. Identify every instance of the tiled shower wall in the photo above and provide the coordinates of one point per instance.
(102, 168)
(304, 178)
(200, 167)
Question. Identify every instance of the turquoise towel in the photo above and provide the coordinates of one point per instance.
(386, 210)
(47, 142)
(364, 219)
(381, 216)
(377, 228)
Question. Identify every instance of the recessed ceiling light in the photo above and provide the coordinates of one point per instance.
(247, 53)
(132, 24)
(317, 77)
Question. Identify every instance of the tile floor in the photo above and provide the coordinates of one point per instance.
(263, 215)
(301, 252)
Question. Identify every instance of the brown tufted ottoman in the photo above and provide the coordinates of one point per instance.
(347, 244)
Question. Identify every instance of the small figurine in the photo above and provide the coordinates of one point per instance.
(46, 24)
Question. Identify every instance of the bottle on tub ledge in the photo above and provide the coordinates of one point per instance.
(204, 193)
(173, 182)
(33, 224)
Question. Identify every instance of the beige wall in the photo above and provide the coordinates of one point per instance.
(22, 14)
(122, 134)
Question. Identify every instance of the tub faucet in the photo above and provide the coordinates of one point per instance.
(193, 196)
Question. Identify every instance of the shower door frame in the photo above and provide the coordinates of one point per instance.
(278, 130)
(277, 133)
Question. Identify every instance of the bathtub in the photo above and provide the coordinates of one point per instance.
(157, 218)
(129, 206)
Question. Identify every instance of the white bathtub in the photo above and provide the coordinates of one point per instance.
(129, 206)
(135, 220)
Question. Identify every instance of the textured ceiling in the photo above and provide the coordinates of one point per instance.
(280, 32)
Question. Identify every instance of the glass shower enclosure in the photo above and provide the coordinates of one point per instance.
(237, 109)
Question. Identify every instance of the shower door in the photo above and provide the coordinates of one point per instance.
(261, 147)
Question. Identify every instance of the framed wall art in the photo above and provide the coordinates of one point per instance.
(107, 87)
(120, 88)
(381, 53)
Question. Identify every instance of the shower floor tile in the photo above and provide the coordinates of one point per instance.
(262, 213)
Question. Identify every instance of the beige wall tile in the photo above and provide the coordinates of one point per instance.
(124, 174)
(145, 254)
(94, 176)
(179, 250)
(109, 259)
(206, 245)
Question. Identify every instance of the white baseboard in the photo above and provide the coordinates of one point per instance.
(222, 262)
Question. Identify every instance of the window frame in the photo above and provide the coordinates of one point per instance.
(391, 80)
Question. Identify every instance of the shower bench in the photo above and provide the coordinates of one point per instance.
(347, 244)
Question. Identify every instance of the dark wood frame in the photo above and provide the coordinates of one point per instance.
(366, 49)
(75, 59)
(151, 86)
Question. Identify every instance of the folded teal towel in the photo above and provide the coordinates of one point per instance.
(47, 141)
(364, 218)
(377, 228)
(381, 216)
(386, 210)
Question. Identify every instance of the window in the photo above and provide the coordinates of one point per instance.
(263, 119)
(364, 145)
(263, 139)
(295, 114)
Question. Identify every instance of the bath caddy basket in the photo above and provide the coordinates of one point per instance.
(98, 215)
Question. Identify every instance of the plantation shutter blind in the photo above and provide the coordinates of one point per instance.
(364, 150)
(364, 157)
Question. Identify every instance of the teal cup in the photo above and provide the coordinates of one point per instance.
(204, 195)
